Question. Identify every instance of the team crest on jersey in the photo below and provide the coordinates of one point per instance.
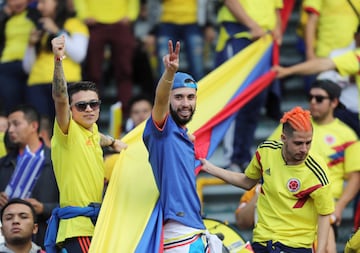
(329, 139)
(293, 184)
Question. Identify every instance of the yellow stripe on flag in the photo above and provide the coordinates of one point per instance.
(132, 192)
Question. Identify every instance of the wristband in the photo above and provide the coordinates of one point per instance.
(112, 141)
(59, 58)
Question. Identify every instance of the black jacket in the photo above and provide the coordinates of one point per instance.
(45, 189)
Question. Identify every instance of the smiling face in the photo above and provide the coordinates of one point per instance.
(90, 115)
(182, 105)
(18, 224)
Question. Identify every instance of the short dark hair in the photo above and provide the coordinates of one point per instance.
(18, 201)
(30, 113)
(287, 129)
(139, 97)
(79, 86)
(332, 89)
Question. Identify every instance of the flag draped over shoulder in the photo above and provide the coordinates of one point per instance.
(130, 218)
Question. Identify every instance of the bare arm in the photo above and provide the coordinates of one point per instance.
(310, 35)
(163, 89)
(245, 214)
(115, 144)
(242, 17)
(309, 67)
(322, 233)
(277, 33)
(59, 86)
(350, 191)
(231, 177)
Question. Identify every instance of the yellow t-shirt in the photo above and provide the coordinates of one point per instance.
(349, 64)
(2, 145)
(79, 171)
(337, 24)
(107, 11)
(43, 69)
(262, 11)
(353, 244)
(337, 143)
(17, 32)
(292, 196)
(179, 12)
(300, 29)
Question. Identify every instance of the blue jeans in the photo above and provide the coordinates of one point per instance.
(12, 85)
(193, 39)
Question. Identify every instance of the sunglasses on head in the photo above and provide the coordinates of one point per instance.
(82, 105)
(318, 98)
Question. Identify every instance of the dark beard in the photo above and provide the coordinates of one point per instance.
(19, 240)
(180, 121)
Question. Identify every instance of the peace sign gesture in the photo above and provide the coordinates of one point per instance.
(171, 60)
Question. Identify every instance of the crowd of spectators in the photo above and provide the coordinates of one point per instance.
(122, 42)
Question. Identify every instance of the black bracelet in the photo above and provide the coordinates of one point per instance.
(112, 141)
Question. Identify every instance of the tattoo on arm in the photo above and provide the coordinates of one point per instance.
(59, 88)
(104, 140)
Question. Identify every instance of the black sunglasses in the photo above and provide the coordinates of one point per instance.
(318, 98)
(82, 105)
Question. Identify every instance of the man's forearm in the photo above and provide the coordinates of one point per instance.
(322, 233)
(59, 88)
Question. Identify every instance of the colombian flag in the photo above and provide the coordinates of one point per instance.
(130, 219)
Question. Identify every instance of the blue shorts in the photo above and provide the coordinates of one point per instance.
(277, 248)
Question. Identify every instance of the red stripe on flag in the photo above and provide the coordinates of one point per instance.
(203, 135)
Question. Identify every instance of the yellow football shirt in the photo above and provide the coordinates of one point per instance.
(17, 32)
(79, 170)
(337, 144)
(337, 24)
(179, 12)
(43, 68)
(262, 11)
(291, 197)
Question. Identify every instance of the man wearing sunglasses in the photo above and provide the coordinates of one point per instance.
(338, 144)
(346, 64)
(77, 158)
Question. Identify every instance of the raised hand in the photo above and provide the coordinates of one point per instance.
(171, 60)
(58, 47)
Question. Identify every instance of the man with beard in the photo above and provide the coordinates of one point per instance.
(18, 220)
(337, 144)
(295, 195)
(172, 157)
